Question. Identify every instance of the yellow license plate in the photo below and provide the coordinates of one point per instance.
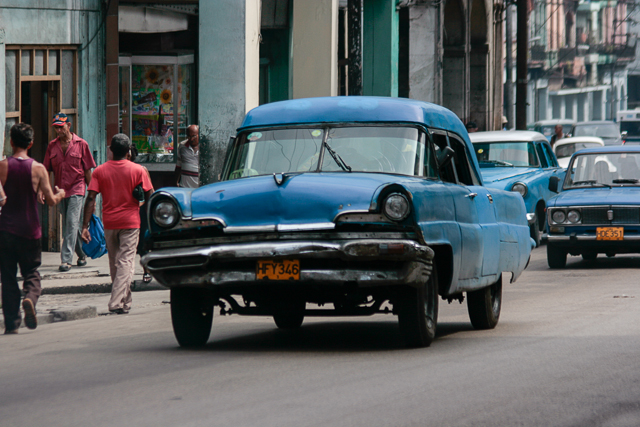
(610, 233)
(285, 269)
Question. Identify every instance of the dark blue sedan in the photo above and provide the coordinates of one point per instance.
(598, 210)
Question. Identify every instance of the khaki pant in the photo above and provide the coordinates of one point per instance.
(121, 245)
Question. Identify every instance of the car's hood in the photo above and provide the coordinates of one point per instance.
(597, 197)
(490, 175)
(307, 198)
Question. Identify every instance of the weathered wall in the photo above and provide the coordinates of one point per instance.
(424, 53)
(228, 69)
(63, 22)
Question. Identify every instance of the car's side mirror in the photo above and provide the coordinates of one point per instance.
(554, 181)
(445, 156)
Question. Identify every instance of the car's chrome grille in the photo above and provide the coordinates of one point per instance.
(595, 216)
(621, 215)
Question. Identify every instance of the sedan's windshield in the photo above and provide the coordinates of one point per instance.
(522, 154)
(609, 130)
(567, 150)
(603, 170)
(398, 150)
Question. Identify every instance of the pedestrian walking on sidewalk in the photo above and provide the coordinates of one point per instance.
(69, 158)
(23, 179)
(115, 180)
(188, 160)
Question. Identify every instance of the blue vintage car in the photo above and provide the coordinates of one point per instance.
(520, 161)
(341, 206)
(598, 210)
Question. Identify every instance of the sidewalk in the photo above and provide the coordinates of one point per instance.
(83, 292)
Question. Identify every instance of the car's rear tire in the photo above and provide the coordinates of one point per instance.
(556, 257)
(484, 305)
(417, 309)
(589, 256)
(290, 316)
(191, 316)
(534, 231)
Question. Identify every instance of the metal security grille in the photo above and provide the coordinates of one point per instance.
(621, 215)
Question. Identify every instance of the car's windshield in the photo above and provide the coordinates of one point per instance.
(607, 130)
(522, 154)
(549, 130)
(398, 150)
(632, 128)
(567, 150)
(604, 170)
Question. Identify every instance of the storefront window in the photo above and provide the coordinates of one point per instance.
(152, 95)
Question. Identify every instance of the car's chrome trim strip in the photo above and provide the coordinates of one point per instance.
(250, 229)
(306, 227)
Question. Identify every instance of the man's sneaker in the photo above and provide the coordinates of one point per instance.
(10, 331)
(82, 262)
(119, 311)
(64, 267)
(30, 318)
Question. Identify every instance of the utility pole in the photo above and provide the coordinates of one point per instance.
(508, 90)
(521, 65)
(354, 32)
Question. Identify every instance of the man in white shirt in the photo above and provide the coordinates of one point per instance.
(188, 162)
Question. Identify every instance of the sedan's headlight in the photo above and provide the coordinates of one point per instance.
(396, 207)
(558, 216)
(573, 216)
(520, 187)
(165, 214)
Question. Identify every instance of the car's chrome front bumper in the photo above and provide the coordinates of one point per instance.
(363, 262)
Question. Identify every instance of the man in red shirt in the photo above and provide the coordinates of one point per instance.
(69, 158)
(115, 180)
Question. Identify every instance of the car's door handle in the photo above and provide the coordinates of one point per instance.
(471, 195)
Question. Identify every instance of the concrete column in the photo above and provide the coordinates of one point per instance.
(423, 52)
(380, 48)
(574, 107)
(228, 68)
(3, 96)
(563, 107)
(315, 48)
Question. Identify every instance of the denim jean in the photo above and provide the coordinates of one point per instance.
(27, 253)
(71, 209)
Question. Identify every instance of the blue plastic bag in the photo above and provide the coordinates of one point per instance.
(98, 245)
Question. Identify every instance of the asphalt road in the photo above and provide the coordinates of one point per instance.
(565, 353)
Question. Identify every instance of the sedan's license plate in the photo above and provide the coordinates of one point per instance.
(609, 233)
(286, 269)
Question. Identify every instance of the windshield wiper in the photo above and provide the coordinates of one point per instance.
(337, 158)
(498, 162)
(590, 181)
(625, 181)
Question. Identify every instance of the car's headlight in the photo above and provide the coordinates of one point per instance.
(519, 187)
(165, 214)
(396, 207)
(558, 216)
(573, 216)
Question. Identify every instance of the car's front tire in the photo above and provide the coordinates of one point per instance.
(534, 231)
(417, 309)
(589, 256)
(290, 316)
(484, 305)
(191, 316)
(556, 257)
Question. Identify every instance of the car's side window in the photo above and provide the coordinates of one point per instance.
(461, 161)
(549, 155)
(541, 156)
(430, 162)
(440, 142)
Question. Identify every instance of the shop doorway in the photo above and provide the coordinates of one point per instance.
(39, 102)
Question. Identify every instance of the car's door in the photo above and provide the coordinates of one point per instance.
(483, 224)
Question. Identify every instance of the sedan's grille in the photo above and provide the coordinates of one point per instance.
(594, 216)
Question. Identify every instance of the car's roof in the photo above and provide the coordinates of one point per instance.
(577, 139)
(353, 109)
(596, 122)
(554, 122)
(507, 136)
(611, 149)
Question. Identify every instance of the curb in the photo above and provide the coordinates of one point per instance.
(104, 288)
(63, 314)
